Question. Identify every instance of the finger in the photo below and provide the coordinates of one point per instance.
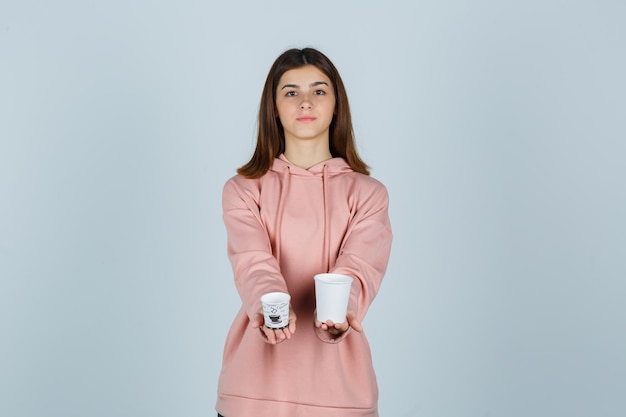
(336, 328)
(292, 322)
(269, 334)
(280, 335)
(286, 332)
(342, 327)
(321, 325)
(330, 327)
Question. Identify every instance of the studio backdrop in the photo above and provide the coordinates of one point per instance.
(497, 127)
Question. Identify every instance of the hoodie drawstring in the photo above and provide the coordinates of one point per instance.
(284, 192)
(281, 209)
(326, 249)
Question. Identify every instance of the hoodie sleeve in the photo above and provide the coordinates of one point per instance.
(364, 252)
(255, 268)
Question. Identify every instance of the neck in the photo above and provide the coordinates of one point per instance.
(306, 154)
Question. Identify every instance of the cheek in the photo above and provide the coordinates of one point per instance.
(283, 107)
(332, 110)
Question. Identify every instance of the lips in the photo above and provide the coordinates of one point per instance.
(306, 119)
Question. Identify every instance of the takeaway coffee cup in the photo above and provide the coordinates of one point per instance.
(332, 292)
(276, 309)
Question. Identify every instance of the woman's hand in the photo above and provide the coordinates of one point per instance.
(275, 336)
(337, 329)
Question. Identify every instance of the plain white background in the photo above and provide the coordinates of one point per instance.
(497, 126)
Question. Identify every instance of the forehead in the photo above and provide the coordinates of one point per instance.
(303, 76)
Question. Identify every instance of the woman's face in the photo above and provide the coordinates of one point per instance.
(305, 102)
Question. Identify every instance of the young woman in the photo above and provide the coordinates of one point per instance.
(303, 204)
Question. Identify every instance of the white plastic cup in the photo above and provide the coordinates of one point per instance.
(332, 292)
(276, 309)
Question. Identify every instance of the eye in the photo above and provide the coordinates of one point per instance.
(291, 94)
(319, 92)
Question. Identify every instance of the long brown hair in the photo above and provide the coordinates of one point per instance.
(271, 136)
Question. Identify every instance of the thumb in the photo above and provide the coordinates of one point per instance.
(257, 320)
(354, 322)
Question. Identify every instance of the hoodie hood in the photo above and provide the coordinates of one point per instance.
(324, 170)
(330, 167)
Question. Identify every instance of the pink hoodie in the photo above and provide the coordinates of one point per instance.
(283, 229)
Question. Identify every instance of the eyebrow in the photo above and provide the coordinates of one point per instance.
(315, 84)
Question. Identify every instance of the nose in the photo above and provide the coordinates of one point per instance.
(305, 104)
